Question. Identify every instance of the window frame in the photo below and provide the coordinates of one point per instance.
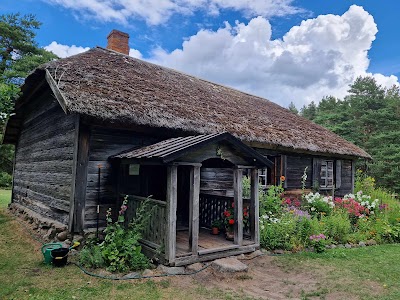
(327, 179)
(263, 175)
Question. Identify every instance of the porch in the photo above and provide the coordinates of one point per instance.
(194, 188)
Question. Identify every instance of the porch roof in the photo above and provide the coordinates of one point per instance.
(171, 149)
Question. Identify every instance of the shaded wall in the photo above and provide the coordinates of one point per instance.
(105, 142)
(44, 159)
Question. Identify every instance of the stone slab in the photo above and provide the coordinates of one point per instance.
(229, 265)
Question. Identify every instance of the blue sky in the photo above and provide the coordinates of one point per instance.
(250, 53)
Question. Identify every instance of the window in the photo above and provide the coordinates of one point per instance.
(262, 178)
(327, 174)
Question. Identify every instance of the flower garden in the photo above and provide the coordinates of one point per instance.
(315, 221)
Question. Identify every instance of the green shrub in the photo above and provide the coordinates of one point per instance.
(279, 234)
(91, 256)
(336, 226)
(5, 180)
(271, 200)
(121, 249)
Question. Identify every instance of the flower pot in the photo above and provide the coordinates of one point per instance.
(215, 230)
(229, 235)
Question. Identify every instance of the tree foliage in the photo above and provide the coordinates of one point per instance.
(19, 55)
(369, 116)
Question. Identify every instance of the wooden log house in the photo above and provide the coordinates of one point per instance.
(93, 127)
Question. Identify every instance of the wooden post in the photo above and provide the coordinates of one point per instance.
(353, 173)
(238, 201)
(254, 207)
(172, 180)
(79, 177)
(194, 208)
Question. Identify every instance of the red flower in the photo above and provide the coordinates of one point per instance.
(231, 221)
(233, 204)
(246, 214)
(227, 213)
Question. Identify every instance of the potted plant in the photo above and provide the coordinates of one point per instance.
(215, 226)
(229, 221)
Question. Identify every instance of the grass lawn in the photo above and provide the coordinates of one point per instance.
(5, 198)
(24, 276)
(361, 273)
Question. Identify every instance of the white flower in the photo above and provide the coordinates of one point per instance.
(312, 208)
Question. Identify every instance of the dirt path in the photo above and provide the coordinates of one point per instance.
(265, 279)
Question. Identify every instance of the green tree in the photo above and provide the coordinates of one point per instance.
(19, 55)
(292, 108)
(309, 111)
(368, 116)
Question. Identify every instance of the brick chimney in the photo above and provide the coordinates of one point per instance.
(118, 41)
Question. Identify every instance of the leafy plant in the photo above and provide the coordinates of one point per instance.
(217, 224)
(271, 200)
(121, 249)
(318, 242)
(91, 256)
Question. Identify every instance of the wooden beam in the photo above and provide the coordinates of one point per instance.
(172, 180)
(254, 207)
(57, 93)
(238, 200)
(215, 250)
(182, 163)
(215, 255)
(74, 168)
(246, 167)
(353, 175)
(194, 208)
(79, 178)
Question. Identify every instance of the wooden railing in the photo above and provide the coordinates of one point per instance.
(154, 234)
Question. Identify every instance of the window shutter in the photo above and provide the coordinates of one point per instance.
(338, 174)
(316, 173)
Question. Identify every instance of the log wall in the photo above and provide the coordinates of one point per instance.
(103, 144)
(346, 185)
(44, 159)
(295, 166)
(216, 181)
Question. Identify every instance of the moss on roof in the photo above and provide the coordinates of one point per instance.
(110, 86)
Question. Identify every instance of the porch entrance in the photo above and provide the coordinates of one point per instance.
(195, 179)
(216, 179)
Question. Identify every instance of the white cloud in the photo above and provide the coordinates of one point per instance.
(157, 12)
(320, 57)
(65, 50)
(135, 53)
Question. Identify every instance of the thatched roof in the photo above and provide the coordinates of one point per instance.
(171, 149)
(113, 87)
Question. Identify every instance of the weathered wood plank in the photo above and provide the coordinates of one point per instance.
(59, 96)
(80, 178)
(172, 179)
(238, 200)
(195, 201)
(182, 261)
(254, 207)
